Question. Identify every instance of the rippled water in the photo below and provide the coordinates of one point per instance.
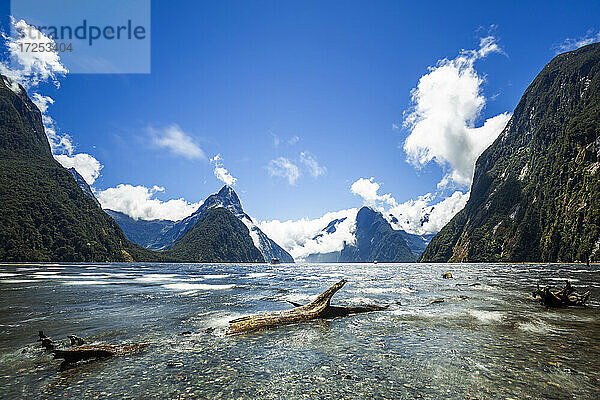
(487, 339)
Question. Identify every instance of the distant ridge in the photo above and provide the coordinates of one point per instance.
(376, 241)
(163, 235)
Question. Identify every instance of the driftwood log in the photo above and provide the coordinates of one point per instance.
(318, 308)
(561, 298)
(82, 353)
(96, 351)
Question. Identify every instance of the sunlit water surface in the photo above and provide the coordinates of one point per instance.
(487, 339)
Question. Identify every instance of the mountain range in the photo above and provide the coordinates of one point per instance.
(535, 196)
(536, 190)
(163, 235)
(49, 213)
(374, 240)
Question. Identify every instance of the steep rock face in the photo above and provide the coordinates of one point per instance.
(83, 185)
(536, 189)
(44, 215)
(416, 243)
(376, 241)
(217, 236)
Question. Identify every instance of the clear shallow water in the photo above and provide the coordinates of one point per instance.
(487, 339)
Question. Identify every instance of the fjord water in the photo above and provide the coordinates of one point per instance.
(486, 339)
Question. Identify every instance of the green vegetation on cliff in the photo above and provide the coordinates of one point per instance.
(217, 236)
(536, 189)
(44, 215)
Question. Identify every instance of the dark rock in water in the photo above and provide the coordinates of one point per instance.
(175, 364)
(447, 275)
(184, 333)
(209, 330)
(437, 301)
(47, 342)
(76, 340)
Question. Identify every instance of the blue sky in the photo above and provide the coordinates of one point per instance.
(237, 77)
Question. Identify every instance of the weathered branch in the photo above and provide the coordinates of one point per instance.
(318, 308)
(561, 298)
(95, 351)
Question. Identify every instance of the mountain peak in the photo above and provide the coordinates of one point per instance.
(367, 214)
(228, 193)
(366, 209)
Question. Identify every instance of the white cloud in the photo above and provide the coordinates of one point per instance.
(175, 140)
(276, 140)
(425, 216)
(446, 104)
(297, 236)
(367, 189)
(139, 203)
(62, 146)
(29, 68)
(575, 43)
(310, 162)
(294, 140)
(87, 166)
(221, 172)
(284, 168)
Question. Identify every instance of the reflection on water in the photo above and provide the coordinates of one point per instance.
(477, 336)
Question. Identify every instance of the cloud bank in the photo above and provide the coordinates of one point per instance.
(221, 172)
(426, 215)
(367, 189)
(87, 166)
(447, 102)
(297, 236)
(173, 139)
(139, 203)
(29, 68)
